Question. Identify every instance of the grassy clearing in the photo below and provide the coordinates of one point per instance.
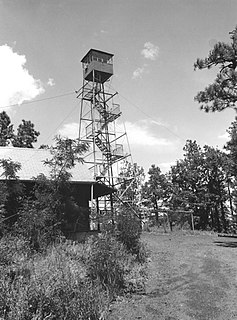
(190, 276)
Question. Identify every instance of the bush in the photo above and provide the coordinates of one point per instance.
(108, 263)
(129, 233)
(38, 225)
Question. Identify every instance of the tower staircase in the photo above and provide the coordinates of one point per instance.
(102, 146)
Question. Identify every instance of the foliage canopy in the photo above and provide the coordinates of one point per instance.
(24, 138)
(222, 93)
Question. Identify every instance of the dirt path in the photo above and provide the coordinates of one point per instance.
(190, 277)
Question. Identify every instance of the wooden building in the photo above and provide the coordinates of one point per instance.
(84, 187)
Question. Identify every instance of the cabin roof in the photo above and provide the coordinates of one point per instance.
(32, 165)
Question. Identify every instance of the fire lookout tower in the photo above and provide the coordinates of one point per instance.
(98, 118)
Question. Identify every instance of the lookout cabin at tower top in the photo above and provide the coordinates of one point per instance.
(97, 66)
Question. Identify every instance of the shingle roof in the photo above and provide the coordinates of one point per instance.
(32, 165)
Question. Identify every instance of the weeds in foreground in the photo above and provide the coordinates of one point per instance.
(69, 281)
(53, 286)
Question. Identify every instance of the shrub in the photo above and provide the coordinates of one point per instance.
(37, 223)
(108, 263)
(129, 233)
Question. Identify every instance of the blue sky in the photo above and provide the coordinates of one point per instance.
(155, 44)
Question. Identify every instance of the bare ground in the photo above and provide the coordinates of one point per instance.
(191, 276)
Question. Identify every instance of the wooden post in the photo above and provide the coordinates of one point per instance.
(168, 221)
(192, 221)
(98, 214)
(164, 222)
(92, 204)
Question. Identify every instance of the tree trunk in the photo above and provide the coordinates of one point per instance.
(205, 218)
(164, 223)
(192, 221)
(169, 222)
(217, 219)
(230, 198)
(223, 218)
(212, 219)
(156, 212)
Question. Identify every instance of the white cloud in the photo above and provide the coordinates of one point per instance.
(16, 83)
(69, 130)
(139, 134)
(166, 166)
(160, 122)
(138, 72)
(51, 82)
(224, 136)
(150, 51)
(156, 123)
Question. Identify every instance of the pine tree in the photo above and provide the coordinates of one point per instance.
(156, 189)
(222, 93)
(26, 135)
(6, 129)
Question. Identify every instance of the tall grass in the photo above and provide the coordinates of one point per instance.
(53, 286)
